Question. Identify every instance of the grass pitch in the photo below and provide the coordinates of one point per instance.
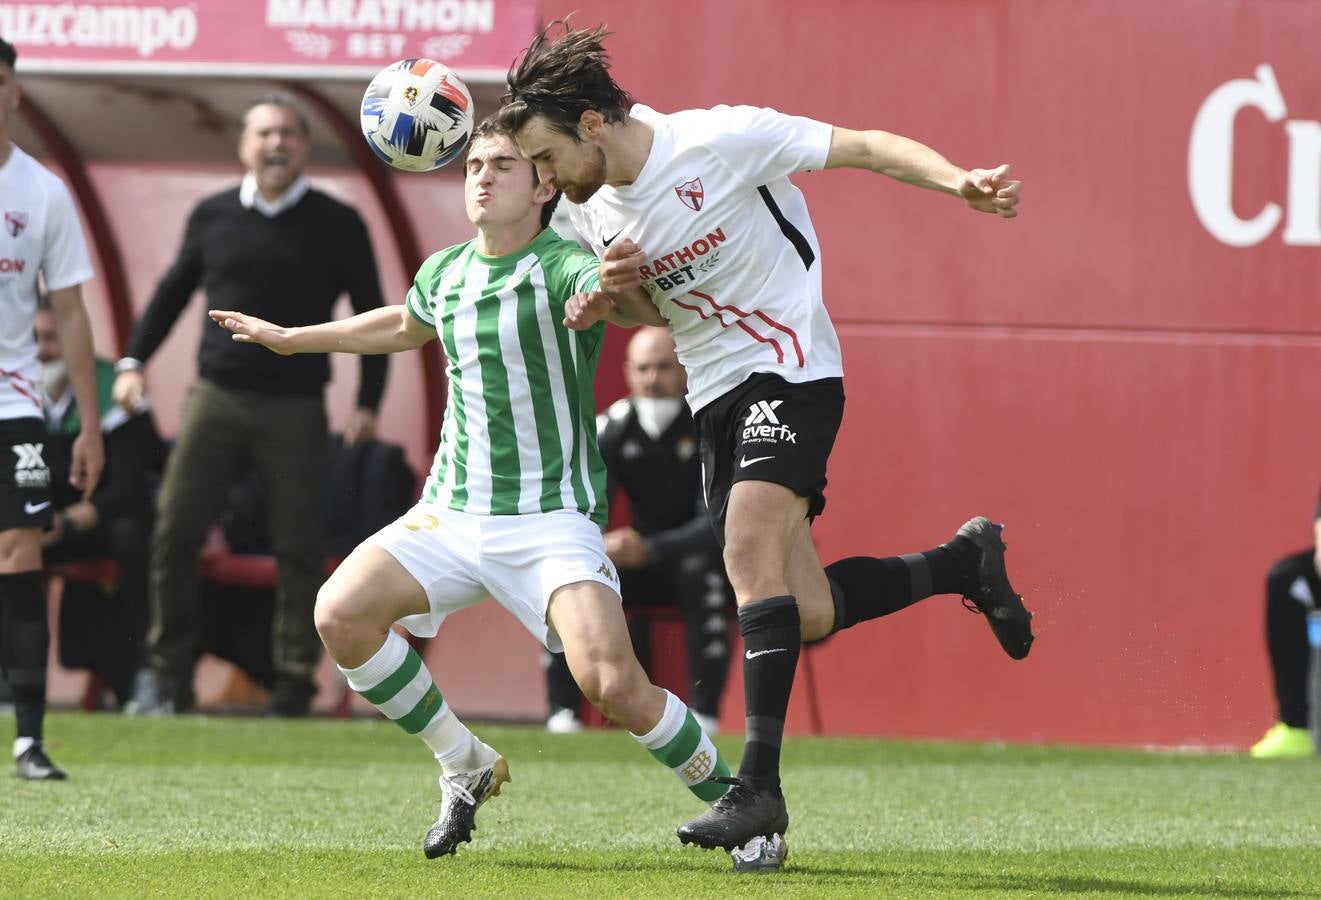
(193, 807)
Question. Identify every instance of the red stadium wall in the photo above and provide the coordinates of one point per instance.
(1105, 374)
(1121, 374)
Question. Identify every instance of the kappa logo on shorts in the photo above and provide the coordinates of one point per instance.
(763, 426)
(29, 468)
(422, 522)
(607, 572)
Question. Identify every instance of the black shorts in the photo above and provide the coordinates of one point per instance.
(25, 499)
(769, 429)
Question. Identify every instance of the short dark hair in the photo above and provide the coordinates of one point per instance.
(562, 79)
(282, 99)
(491, 127)
(8, 55)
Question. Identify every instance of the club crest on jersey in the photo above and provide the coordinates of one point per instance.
(15, 222)
(691, 194)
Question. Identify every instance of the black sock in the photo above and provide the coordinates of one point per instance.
(771, 641)
(24, 643)
(864, 587)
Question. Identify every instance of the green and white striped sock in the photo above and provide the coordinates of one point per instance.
(397, 683)
(681, 745)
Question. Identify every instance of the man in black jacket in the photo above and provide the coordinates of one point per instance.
(669, 555)
(277, 248)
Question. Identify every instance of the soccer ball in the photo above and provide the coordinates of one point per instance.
(417, 115)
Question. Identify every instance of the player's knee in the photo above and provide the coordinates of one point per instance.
(20, 550)
(592, 681)
(334, 617)
(611, 689)
(753, 573)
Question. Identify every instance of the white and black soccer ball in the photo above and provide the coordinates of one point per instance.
(417, 115)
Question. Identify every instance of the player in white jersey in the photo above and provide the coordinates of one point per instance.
(40, 236)
(698, 209)
(512, 506)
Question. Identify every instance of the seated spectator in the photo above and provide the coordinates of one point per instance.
(102, 627)
(1293, 590)
(669, 555)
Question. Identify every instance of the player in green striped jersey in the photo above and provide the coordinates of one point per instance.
(513, 504)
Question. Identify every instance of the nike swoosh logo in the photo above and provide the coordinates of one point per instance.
(31, 508)
(747, 462)
(751, 655)
(605, 242)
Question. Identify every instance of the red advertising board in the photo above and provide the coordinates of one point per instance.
(264, 37)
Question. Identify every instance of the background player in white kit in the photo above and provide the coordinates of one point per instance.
(40, 235)
(515, 500)
(697, 208)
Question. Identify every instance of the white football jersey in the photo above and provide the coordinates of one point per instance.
(733, 260)
(39, 234)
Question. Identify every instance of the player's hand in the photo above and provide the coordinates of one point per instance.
(87, 462)
(619, 266)
(128, 390)
(252, 330)
(582, 311)
(361, 427)
(626, 548)
(991, 191)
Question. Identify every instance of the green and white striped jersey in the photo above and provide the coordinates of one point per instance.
(519, 434)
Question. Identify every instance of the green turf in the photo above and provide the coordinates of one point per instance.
(253, 808)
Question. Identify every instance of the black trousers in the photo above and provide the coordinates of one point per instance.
(698, 586)
(1292, 590)
(222, 434)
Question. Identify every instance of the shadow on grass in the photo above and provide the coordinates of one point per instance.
(956, 882)
(949, 883)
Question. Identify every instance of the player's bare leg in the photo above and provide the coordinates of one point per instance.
(355, 612)
(762, 527)
(809, 601)
(590, 621)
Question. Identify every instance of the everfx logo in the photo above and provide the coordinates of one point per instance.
(29, 468)
(763, 425)
(763, 411)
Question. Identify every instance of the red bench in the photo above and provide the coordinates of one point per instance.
(216, 564)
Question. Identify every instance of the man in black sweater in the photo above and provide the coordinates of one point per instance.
(276, 248)
(669, 555)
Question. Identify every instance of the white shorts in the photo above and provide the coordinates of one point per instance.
(461, 559)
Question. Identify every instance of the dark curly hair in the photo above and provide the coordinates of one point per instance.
(562, 79)
(8, 55)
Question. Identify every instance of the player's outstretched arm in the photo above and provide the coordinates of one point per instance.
(387, 329)
(904, 159)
